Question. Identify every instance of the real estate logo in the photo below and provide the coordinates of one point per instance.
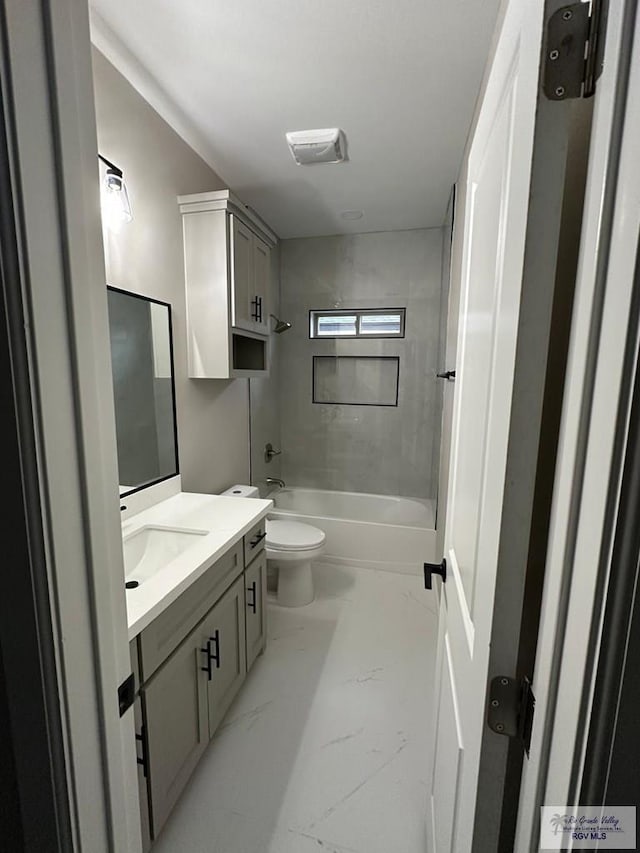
(588, 828)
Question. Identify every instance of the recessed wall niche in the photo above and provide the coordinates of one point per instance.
(356, 380)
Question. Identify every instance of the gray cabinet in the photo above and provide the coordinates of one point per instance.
(250, 275)
(142, 750)
(255, 581)
(227, 252)
(261, 277)
(192, 660)
(254, 541)
(223, 630)
(241, 275)
(187, 697)
(169, 629)
(176, 722)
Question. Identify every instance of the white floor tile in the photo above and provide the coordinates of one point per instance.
(327, 746)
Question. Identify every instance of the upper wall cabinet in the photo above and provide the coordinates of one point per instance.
(227, 273)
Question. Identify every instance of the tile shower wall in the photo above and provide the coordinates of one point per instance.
(263, 397)
(381, 450)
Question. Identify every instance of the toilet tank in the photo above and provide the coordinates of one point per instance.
(240, 491)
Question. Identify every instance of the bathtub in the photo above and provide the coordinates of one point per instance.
(375, 531)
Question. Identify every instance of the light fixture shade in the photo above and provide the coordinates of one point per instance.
(116, 207)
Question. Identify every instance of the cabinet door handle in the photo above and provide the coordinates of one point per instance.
(214, 656)
(142, 761)
(254, 314)
(207, 668)
(259, 298)
(252, 604)
(257, 540)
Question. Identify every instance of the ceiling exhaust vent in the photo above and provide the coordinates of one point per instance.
(309, 147)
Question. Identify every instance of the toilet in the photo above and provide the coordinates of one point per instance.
(291, 547)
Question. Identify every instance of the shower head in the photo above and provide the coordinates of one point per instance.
(281, 325)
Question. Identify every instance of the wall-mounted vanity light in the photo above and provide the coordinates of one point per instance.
(116, 207)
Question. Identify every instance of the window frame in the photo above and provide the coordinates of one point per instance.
(316, 313)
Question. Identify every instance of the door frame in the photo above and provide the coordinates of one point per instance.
(586, 488)
(33, 773)
(47, 93)
(46, 49)
(557, 193)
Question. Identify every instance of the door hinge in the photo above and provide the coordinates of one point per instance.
(573, 50)
(126, 694)
(511, 707)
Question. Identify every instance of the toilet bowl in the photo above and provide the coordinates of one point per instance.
(291, 547)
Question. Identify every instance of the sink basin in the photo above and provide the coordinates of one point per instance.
(151, 548)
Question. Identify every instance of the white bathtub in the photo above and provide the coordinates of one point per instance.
(378, 531)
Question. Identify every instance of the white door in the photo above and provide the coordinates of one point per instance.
(496, 190)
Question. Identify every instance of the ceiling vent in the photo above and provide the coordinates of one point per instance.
(310, 147)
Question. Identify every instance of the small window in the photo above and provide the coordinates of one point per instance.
(359, 323)
(336, 325)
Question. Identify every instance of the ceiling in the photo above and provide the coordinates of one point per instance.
(400, 77)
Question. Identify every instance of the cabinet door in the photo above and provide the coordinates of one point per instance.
(175, 711)
(223, 630)
(255, 588)
(242, 276)
(261, 277)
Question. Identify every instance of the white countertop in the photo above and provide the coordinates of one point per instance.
(226, 518)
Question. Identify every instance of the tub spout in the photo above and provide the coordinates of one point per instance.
(275, 481)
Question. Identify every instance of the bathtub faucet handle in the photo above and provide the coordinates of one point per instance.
(269, 452)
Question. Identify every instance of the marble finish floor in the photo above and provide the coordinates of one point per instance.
(326, 748)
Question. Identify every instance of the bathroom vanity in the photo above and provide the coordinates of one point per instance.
(196, 626)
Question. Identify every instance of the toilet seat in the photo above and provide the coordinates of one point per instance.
(293, 536)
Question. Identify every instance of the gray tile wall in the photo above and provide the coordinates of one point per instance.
(382, 450)
(264, 396)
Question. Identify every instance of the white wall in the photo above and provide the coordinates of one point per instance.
(146, 257)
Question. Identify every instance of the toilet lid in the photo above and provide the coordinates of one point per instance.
(293, 536)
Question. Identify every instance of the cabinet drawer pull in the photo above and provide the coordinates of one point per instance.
(215, 656)
(207, 668)
(257, 540)
(142, 761)
(256, 313)
(252, 604)
(212, 655)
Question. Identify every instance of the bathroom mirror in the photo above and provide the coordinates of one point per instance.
(143, 389)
